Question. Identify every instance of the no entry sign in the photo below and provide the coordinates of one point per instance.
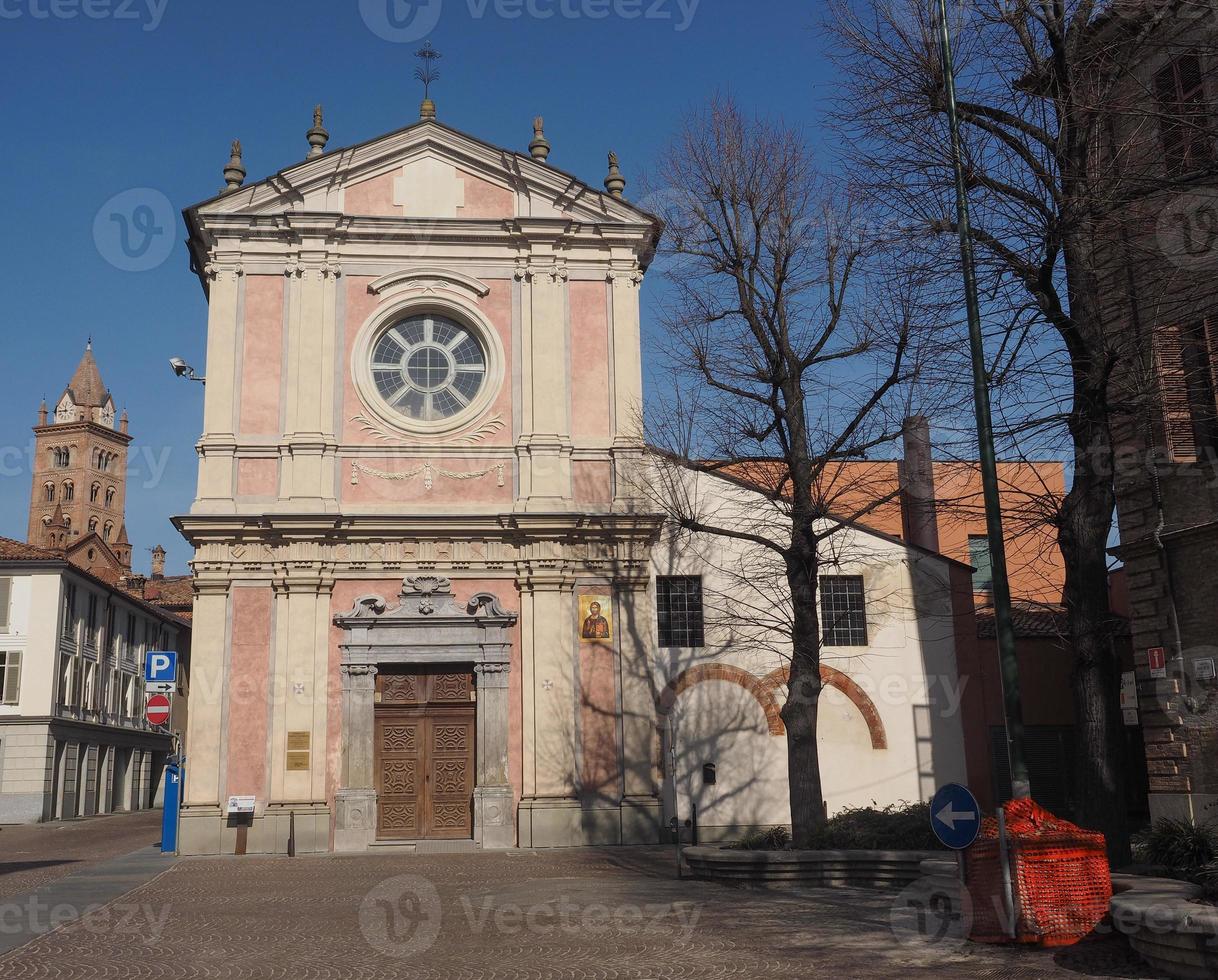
(157, 711)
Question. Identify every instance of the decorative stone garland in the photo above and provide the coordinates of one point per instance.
(428, 472)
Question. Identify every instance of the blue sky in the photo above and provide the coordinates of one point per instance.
(106, 96)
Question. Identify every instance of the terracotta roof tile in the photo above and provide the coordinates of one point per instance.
(1032, 620)
(11, 550)
(88, 389)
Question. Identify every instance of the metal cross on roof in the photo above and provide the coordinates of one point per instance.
(427, 72)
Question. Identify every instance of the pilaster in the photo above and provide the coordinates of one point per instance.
(217, 447)
(355, 802)
(627, 379)
(208, 692)
(548, 658)
(310, 444)
(545, 444)
(300, 686)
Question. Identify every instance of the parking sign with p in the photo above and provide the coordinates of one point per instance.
(160, 667)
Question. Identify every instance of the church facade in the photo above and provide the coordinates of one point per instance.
(425, 588)
(423, 378)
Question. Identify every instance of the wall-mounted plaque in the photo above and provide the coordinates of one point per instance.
(298, 751)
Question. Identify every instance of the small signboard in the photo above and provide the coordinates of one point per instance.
(160, 687)
(160, 666)
(157, 710)
(1129, 697)
(239, 805)
(1156, 659)
(1203, 669)
(955, 816)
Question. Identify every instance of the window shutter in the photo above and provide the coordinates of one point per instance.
(6, 595)
(12, 677)
(1211, 344)
(1173, 389)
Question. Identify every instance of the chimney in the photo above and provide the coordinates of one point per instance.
(918, 486)
(158, 562)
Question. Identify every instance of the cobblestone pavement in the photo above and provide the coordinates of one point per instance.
(586, 914)
(32, 855)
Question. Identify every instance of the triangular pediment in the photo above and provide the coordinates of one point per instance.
(427, 171)
(94, 555)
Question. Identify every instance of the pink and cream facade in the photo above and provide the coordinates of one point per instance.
(423, 385)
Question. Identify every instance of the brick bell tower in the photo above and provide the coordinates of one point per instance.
(80, 467)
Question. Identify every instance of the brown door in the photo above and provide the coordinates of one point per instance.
(425, 755)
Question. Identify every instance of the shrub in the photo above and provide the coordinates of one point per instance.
(774, 839)
(1184, 847)
(896, 827)
(1207, 878)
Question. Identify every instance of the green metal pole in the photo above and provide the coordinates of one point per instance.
(1020, 786)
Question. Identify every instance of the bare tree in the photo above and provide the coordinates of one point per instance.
(1040, 85)
(795, 347)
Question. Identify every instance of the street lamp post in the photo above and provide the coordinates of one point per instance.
(1020, 786)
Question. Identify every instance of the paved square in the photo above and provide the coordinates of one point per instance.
(33, 855)
(584, 914)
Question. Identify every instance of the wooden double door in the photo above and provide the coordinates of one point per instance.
(425, 742)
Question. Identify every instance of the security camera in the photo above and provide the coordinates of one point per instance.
(184, 370)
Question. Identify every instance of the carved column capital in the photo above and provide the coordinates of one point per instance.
(628, 277)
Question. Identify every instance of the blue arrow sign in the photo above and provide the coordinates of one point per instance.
(160, 666)
(955, 816)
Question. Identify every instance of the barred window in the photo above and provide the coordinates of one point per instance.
(679, 609)
(843, 611)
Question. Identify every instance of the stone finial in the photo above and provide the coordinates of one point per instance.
(318, 136)
(539, 148)
(427, 110)
(42, 413)
(234, 172)
(123, 422)
(615, 183)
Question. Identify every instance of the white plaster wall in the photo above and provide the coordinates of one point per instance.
(908, 669)
(32, 631)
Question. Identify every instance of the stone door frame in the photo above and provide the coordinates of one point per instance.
(426, 629)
